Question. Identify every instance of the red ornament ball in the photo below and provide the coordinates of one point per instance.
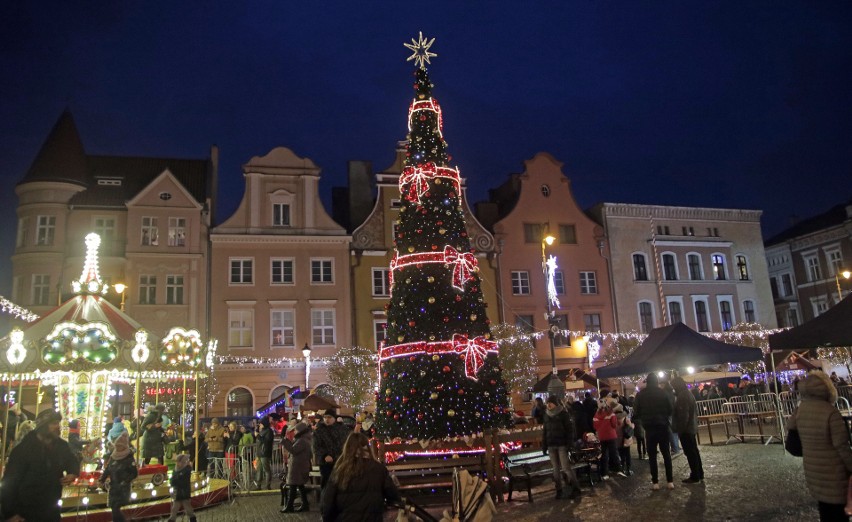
(405, 400)
(493, 382)
(387, 399)
(446, 369)
(412, 358)
(461, 391)
(420, 416)
(446, 319)
(422, 117)
(413, 391)
(458, 298)
(411, 323)
(396, 416)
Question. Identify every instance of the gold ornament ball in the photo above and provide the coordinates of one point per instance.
(408, 281)
(400, 338)
(411, 249)
(438, 181)
(473, 317)
(451, 413)
(435, 357)
(430, 279)
(388, 391)
(431, 300)
(478, 415)
(431, 337)
(433, 396)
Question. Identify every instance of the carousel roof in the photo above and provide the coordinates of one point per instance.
(84, 309)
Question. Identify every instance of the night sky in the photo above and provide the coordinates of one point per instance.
(695, 103)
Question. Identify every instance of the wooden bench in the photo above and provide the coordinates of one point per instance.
(530, 465)
(433, 472)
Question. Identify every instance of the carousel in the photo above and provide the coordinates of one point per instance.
(84, 350)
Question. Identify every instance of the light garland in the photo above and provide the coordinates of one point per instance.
(430, 105)
(16, 353)
(68, 342)
(90, 279)
(474, 351)
(18, 311)
(182, 346)
(464, 264)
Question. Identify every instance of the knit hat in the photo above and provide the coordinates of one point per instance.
(122, 447)
(116, 420)
(181, 461)
(553, 400)
(215, 420)
(301, 428)
(46, 417)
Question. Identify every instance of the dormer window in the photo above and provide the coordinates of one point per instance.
(280, 215)
(109, 182)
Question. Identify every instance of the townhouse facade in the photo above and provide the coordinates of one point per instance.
(280, 283)
(705, 267)
(808, 262)
(523, 211)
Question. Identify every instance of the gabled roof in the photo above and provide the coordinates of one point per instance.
(61, 157)
(834, 216)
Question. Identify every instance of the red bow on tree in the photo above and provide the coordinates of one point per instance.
(475, 350)
(417, 179)
(465, 265)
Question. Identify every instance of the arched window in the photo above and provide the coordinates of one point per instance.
(646, 317)
(694, 263)
(669, 267)
(742, 267)
(726, 315)
(640, 268)
(719, 273)
(701, 316)
(748, 311)
(239, 403)
(278, 391)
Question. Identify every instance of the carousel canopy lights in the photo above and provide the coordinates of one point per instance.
(70, 342)
(181, 346)
(16, 352)
(90, 280)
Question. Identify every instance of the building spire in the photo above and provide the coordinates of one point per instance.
(61, 157)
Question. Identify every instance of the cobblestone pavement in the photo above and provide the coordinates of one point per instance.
(744, 482)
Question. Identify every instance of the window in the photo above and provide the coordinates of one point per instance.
(545, 191)
(105, 227)
(150, 232)
(568, 234)
(241, 271)
(520, 282)
(282, 272)
(381, 282)
(792, 317)
(177, 232)
(718, 267)
(748, 311)
(742, 267)
(559, 282)
(561, 323)
(240, 403)
(322, 327)
(812, 266)
(280, 215)
(380, 331)
(282, 328)
(147, 289)
(46, 230)
(835, 261)
(533, 232)
(321, 271)
(787, 284)
(701, 316)
(663, 230)
(240, 328)
(694, 262)
(588, 283)
(640, 271)
(819, 305)
(675, 312)
(773, 285)
(726, 315)
(688, 231)
(174, 289)
(592, 322)
(669, 267)
(646, 317)
(23, 232)
(525, 323)
(41, 289)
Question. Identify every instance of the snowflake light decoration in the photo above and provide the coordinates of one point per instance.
(420, 50)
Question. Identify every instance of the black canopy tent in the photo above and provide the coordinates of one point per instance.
(832, 328)
(678, 346)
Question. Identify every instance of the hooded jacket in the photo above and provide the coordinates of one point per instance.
(685, 418)
(826, 455)
(654, 407)
(558, 429)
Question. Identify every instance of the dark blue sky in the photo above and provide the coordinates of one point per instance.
(721, 104)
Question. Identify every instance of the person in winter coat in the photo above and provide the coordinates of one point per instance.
(33, 479)
(74, 441)
(298, 468)
(359, 485)
(638, 430)
(559, 436)
(152, 429)
(180, 482)
(826, 456)
(590, 405)
(265, 439)
(654, 409)
(120, 471)
(581, 421)
(625, 425)
(606, 426)
(328, 444)
(685, 423)
(538, 411)
(215, 438)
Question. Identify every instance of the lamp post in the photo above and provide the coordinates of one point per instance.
(555, 386)
(306, 351)
(120, 288)
(846, 274)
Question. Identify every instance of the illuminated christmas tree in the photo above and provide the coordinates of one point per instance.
(439, 374)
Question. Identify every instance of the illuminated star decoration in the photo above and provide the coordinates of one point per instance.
(551, 283)
(420, 51)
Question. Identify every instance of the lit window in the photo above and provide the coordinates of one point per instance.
(718, 267)
(240, 328)
(283, 328)
(150, 232)
(322, 327)
(742, 267)
(177, 232)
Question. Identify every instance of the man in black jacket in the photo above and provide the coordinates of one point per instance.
(686, 426)
(38, 467)
(654, 408)
(264, 453)
(559, 437)
(328, 444)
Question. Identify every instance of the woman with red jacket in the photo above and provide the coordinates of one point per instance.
(606, 424)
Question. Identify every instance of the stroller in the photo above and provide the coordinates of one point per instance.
(588, 452)
(471, 502)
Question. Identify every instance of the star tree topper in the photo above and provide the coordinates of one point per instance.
(420, 50)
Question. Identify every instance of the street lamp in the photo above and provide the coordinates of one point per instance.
(120, 288)
(306, 351)
(555, 386)
(846, 274)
